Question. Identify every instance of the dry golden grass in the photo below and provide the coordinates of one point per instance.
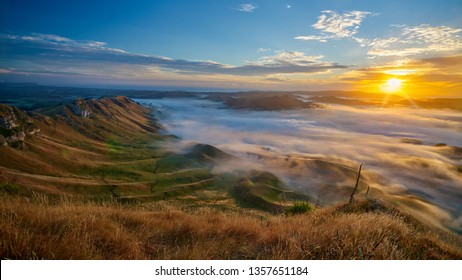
(68, 229)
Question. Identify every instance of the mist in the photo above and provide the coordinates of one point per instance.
(318, 151)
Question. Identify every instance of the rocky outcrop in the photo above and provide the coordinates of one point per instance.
(7, 118)
(15, 137)
(3, 141)
(80, 107)
(32, 130)
(15, 126)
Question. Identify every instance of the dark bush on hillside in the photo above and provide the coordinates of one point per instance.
(299, 208)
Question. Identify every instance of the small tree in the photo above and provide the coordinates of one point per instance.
(356, 185)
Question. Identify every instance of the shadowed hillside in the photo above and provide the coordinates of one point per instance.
(262, 102)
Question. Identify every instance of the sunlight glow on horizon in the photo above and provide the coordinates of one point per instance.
(392, 85)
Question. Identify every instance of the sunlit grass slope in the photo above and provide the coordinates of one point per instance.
(39, 228)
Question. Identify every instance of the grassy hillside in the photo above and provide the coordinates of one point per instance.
(67, 229)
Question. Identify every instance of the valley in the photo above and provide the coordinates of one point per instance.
(175, 177)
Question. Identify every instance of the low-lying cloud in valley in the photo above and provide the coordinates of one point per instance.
(318, 151)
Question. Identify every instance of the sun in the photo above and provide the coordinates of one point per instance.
(391, 85)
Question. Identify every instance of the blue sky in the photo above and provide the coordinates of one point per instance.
(271, 44)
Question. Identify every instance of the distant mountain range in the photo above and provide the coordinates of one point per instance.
(32, 96)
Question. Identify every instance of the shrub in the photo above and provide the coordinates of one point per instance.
(299, 208)
(9, 188)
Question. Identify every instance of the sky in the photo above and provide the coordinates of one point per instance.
(412, 47)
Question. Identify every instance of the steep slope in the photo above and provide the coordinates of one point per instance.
(87, 143)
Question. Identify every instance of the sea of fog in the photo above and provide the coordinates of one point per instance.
(395, 145)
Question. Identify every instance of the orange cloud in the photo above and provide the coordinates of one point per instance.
(438, 76)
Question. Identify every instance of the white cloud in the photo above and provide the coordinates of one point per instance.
(285, 62)
(284, 58)
(322, 39)
(415, 40)
(409, 41)
(427, 33)
(48, 37)
(333, 25)
(248, 8)
(289, 6)
(340, 25)
(51, 41)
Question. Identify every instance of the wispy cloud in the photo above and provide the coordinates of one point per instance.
(285, 62)
(340, 25)
(408, 41)
(248, 8)
(263, 49)
(54, 54)
(288, 58)
(334, 25)
(415, 40)
(322, 39)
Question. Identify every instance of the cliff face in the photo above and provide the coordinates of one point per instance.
(15, 126)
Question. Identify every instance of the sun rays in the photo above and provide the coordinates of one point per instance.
(392, 85)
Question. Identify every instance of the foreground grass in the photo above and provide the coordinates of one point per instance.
(70, 229)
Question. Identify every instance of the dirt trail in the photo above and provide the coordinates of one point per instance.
(92, 181)
(176, 187)
(69, 180)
